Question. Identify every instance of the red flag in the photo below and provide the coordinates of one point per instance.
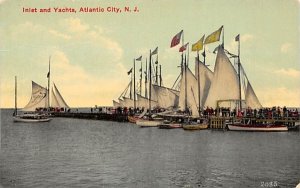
(183, 48)
(176, 39)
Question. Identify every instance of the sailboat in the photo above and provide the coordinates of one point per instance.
(38, 97)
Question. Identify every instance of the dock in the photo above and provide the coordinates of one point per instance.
(93, 116)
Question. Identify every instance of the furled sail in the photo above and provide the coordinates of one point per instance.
(225, 83)
(57, 100)
(251, 98)
(206, 76)
(166, 97)
(192, 93)
(39, 98)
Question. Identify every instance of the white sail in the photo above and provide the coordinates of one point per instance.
(206, 76)
(116, 104)
(251, 98)
(192, 93)
(54, 101)
(166, 97)
(143, 102)
(128, 102)
(122, 102)
(57, 100)
(225, 84)
(39, 98)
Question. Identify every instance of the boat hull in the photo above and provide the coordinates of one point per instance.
(20, 119)
(169, 126)
(258, 128)
(195, 126)
(132, 119)
(148, 123)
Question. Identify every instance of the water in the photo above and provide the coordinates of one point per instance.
(90, 153)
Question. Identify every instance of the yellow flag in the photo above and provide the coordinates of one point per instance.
(214, 37)
(198, 45)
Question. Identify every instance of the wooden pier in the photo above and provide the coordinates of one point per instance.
(93, 116)
(218, 123)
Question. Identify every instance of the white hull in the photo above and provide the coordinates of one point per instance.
(30, 120)
(148, 123)
(257, 128)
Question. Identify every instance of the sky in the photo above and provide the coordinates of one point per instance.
(92, 52)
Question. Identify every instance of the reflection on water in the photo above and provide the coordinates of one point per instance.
(88, 153)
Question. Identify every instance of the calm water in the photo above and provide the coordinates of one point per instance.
(88, 153)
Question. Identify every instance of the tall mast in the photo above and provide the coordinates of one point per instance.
(185, 85)
(150, 82)
(134, 105)
(199, 99)
(160, 78)
(239, 73)
(146, 73)
(16, 108)
(141, 77)
(49, 86)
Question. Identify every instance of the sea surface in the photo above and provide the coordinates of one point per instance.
(93, 153)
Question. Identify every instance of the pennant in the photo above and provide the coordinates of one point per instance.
(130, 71)
(198, 45)
(140, 70)
(139, 59)
(183, 48)
(237, 38)
(203, 54)
(154, 51)
(48, 74)
(214, 37)
(176, 39)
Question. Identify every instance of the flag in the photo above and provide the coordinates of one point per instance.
(198, 45)
(214, 37)
(183, 48)
(203, 54)
(130, 71)
(48, 74)
(139, 59)
(237, 38)
(140, 70)
(176, 39)
(154, 51)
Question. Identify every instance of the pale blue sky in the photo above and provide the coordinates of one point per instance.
(92, 52)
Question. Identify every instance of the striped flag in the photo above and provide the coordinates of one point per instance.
(183, 48)
(176, 39)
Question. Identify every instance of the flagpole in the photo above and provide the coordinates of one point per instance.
(134, 104)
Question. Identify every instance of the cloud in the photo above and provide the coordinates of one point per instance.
(58, 34)
(288, 72)
(286, 47)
